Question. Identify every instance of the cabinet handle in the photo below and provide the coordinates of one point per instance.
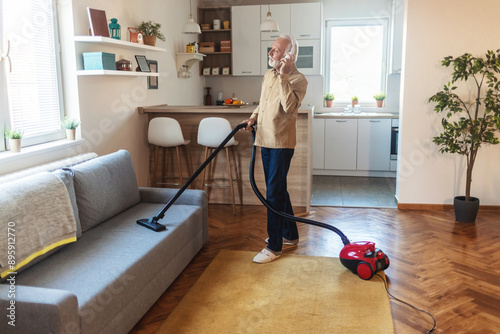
(246, 71)
(305, 35)
(340, 121)
(372, 121)
(274, 36)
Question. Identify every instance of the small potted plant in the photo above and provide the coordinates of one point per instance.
(150, 31)
(14, 136)
(380, 99)
(329, 97)
(70, 124)
(354, 100)
(469, 120)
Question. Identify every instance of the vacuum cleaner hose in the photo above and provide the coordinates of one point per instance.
(268, 205)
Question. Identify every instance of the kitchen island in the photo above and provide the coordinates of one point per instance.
(189, 117)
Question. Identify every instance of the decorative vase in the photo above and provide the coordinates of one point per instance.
(354, 103)
(380, 103)
(149, 40)
(15, 145)
(465, 211)
(329, 104)
(70, 134)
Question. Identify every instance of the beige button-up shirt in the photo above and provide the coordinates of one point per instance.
(276, 115)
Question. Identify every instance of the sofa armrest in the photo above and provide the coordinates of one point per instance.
(163, 195)
(188, 197)
(37, 310)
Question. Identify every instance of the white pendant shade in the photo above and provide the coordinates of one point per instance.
(269, 25)
(191, 27)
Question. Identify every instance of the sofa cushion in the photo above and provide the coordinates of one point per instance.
(36, 219)
(104, 187)
(66, 175)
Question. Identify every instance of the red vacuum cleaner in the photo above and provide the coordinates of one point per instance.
(361, 257)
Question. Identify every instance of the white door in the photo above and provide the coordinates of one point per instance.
(246, 40)
(306, 20)
(374, 144)
(340, 143)
(318, 143)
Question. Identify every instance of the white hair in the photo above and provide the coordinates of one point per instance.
(293, 46)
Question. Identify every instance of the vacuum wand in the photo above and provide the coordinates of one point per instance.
(152, 223)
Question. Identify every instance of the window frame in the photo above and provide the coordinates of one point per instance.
(360, 22)
(5, 119)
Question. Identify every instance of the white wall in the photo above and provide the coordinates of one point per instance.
(435, 29)
(108, 105)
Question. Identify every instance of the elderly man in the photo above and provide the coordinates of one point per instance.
(283, 89)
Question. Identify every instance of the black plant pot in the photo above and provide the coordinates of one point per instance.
(466, 211)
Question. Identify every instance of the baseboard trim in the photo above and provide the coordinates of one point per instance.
(430, 207)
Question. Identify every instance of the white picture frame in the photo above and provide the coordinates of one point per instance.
(215, 70)
(206, 70)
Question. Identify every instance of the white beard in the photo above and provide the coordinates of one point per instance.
(274, 63)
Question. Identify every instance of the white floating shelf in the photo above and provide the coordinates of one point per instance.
(117, 73)
(117, 43)
(188, 59)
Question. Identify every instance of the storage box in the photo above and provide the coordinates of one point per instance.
(225, 46)
(207, 47)
(98, 61)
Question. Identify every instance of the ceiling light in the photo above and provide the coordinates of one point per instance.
(269, 25)
(191, 27)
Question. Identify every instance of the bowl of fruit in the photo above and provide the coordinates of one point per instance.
(232, 102)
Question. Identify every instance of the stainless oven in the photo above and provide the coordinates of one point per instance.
(394, 139)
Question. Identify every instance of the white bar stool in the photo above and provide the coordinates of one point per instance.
(165, 132)
(211, 132)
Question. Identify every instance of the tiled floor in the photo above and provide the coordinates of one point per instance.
(353, 191)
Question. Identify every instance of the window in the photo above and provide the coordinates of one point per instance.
(356, 58)
(31, 71)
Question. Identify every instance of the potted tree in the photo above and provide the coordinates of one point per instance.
(70, 124)
(354, 100)
(329, 97)
(470, 120)
(150, 31)
(14, 136)
(380, 97)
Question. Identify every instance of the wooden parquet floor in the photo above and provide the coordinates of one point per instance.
(450, 269)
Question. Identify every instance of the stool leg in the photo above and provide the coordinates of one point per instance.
(179, 165)
(203, 172)
(188, 163)
(164, 173)
(231, 185)
(155, 166)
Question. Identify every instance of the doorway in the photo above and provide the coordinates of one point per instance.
(354, 191)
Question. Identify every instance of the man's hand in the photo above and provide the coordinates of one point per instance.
(249, 123)
(286, 63)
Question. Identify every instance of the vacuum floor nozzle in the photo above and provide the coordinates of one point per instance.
(151, 224)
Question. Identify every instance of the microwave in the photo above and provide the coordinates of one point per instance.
(308, 61)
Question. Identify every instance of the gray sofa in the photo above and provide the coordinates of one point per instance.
(107, 279)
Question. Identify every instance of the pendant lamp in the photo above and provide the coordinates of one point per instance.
(191, 27)
(269, 25)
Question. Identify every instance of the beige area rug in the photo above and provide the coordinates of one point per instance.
(294, 294)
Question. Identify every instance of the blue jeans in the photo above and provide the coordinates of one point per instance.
(276, 162)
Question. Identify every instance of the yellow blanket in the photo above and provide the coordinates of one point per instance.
(36, 217)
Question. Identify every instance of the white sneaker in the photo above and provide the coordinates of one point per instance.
(287, 242)
(265, 256)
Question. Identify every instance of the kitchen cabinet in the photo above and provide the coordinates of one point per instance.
(374, 144)
(280, 14)
(351, 146)
(306, 20)
(217, 58)
(340, 143)
(318, 143)
(246, 40)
